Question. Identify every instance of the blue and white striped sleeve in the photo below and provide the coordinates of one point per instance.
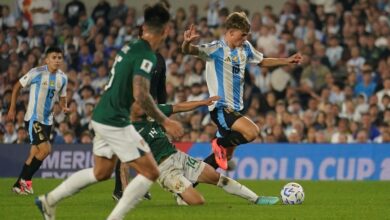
(254, 56)
(64, 85)
(206, 49)
(28, 77)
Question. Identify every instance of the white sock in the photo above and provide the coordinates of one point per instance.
(235, 188)
(131, 196)
(71, 185)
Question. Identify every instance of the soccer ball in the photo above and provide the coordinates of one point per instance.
(292, 193)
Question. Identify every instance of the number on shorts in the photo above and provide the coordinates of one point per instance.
(191, 162)
(37, 127)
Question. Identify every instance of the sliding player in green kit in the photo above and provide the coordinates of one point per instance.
(178, 171)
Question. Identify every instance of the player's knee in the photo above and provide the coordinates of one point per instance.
(152, 174)
(100, 176)
(251, 134)
(155, 174)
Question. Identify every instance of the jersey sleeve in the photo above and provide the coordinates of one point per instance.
(64, 86)
(27, 78)
(144, 64)
(205, 50)
(254, 56)
(166, 109)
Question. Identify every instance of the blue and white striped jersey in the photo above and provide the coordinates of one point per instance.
(225, 69)
(45, 87)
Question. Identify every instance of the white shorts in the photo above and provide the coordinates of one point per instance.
(125, 142)
(179, 171)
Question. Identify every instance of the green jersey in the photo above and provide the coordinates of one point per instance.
(154, 135)
(114, 106)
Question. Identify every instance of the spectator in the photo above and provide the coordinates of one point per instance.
(72, 12)
(69, 137)
(10, 134)
(316, 73)
(342, 135)
(101, 10)
(22, 137)
(118, 11)
(367, 86)
(362, 137)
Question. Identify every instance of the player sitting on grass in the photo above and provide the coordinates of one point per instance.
(178, 171)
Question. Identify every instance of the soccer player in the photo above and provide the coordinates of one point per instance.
(46, 84)
(158, 92)
(114, 134)
(179, 170)
(225, 64)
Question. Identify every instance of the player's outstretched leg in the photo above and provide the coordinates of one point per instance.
(210, 176)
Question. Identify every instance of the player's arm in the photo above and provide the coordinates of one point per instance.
(12, 108)
(189, 36)
(188, 106)
(272, 62)
(145, 100)
(141, 86)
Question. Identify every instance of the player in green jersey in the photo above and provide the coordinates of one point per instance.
(115, 137)
(178, 171)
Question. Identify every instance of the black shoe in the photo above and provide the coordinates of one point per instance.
(116, 196)
(148, 196)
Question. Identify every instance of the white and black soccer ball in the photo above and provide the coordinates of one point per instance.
(292, 193)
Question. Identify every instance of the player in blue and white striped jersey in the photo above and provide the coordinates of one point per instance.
(225, 64)
(46, 84)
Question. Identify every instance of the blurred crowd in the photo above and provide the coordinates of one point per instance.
(339, 94)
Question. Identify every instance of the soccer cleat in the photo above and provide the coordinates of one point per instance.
(116, 196)
(148, 196)
(26, 185)
(48, 212)
(179, 200)
(18, 190)
(220, 154)
(267, 200)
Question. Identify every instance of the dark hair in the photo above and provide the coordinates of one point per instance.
(156, 16)
(53, 50)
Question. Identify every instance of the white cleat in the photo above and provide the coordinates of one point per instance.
(48, 212)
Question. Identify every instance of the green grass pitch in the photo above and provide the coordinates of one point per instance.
(323, 200)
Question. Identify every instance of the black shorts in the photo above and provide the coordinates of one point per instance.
(38, 132)
(224, 118)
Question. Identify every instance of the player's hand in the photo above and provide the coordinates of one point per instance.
(11, 115)
(173, 128)
(295, 59)
(190, 34)
(211, 100)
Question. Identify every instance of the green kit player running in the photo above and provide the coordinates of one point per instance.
(178, 171)
(115, 137)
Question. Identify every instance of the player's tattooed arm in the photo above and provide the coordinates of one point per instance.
(141, 86)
